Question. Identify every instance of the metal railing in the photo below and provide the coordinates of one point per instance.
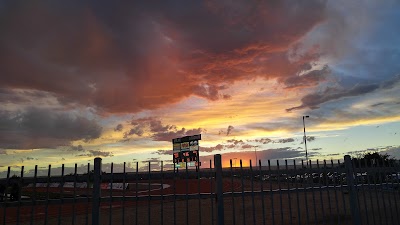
(324, 192)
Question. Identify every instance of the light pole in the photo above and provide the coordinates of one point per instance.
(305, 138)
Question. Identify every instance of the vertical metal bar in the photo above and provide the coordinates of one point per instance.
(385, 176)
(187, 191)
(382, 191)
(124, 186)
(219, 190)
(320, 193)
(198, 189)
(212, 196)
(6, 196)
(123, 191)
(271, 192)
(326, 180)
(252, 192)
(111, 183)
(262, 191)
(20, 183)
(33, 196)
(47, 195)
(297, 193)
(61, 194)
(289, 193)
(375, 180)
(305, 189)
(87, 194)
(243, 206)
(175, 174)
(342, 190)
(395, 199)
(162, 192)
(278, 171)
(137, 199)
(369, 172)
(313, 192)
(96, 192)
(233, 198)
(355, 212)
(361, 182)
(149, 195)
(74, 205)
(335, 175)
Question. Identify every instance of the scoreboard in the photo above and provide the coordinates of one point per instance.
(186, 149)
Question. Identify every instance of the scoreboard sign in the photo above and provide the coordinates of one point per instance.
(186, 149)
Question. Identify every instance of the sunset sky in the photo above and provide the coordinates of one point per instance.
(81, 80)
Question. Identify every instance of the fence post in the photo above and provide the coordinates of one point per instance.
(96, 192)
(354, 208)
(220, 200)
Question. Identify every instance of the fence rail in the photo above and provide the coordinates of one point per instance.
(321, 192)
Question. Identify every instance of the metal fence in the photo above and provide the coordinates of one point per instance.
(321, 192)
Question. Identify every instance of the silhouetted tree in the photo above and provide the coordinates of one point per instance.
(373, 160)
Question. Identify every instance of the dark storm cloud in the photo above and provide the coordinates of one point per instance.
(97, 153)
(158, 131)
(229, 130)
(78, 148)
(164, 152)
(310, 138)
(218, 147)
(136, 130)
(263, 140)
(285, 140)
(235, 142)
(43, 128)
(311, 78)
(245, 146)
(314, 100)
(168, 136)
(134, 56)
(119, 127)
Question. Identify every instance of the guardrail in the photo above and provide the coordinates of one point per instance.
(324, 192)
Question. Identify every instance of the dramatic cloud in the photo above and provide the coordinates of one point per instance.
(42, 128)
(314, 100)
(311, 78)
(136, 130)
(144, 55)
(158, 131)
(168, 136)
